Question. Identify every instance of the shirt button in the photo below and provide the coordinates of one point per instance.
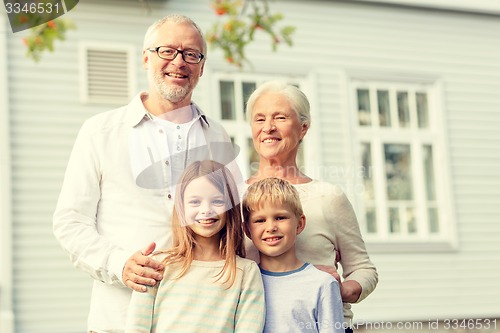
(179, 137)
(167, 163)
(169, 196)
(178, 127)
(160, 131)
(178, 148)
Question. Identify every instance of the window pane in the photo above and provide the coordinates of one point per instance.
(248, 88)
(366, 160)
(403, 109)
(422, 110)
(364, 116)
(371, 220)
(227, 100)
(429, 173)
(394, 224)
(411, 221)
(398, 172)
(433, 220)
(384, 113)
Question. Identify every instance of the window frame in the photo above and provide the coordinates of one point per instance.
(436, 136)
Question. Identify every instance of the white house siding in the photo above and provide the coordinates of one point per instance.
(6, 311)
(334, 41)
(42, 116)
(338, 40)
(46, 113)
(462, 52)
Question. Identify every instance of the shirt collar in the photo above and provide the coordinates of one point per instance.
(137, 113)
(199, 114)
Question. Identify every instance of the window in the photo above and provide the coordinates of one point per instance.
(399, 145)
(233, 91)
(107, 73)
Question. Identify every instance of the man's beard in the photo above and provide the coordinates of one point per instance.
(174, 94)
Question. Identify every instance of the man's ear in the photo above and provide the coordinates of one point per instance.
(145, 58)
(202, 67)
(301, 224)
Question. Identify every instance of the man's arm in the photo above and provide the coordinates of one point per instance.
(141, 270)
(74, 220)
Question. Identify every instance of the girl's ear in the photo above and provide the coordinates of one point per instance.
(301, 224)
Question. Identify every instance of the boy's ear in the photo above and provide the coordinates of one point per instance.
(301, 224)
(246, 230)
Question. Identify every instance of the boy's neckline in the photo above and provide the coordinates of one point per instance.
(271, 273)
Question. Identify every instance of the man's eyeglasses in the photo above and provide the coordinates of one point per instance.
(168, 53)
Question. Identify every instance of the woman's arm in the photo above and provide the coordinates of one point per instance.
(360, 274)
(350, 290)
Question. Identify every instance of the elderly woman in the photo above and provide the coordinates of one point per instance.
(280, 118)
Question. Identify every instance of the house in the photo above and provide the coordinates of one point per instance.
(405, 114)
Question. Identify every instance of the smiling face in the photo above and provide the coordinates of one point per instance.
(276, 128)
(204, 209)
(173, 80)
(273, 229)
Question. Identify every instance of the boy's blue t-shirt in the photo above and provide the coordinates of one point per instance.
(302, 300)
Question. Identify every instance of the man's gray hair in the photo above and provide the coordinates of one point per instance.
(176, 18)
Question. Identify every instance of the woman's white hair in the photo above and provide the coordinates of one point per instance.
(298, 100)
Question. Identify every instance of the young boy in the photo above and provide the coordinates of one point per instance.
(299, 297)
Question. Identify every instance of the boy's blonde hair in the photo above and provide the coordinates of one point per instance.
(273, 191)
(232, 240)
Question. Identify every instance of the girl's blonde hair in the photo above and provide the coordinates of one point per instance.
(231, 241)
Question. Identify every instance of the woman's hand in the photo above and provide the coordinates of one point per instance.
(141, 271)
(330, 270)
(350, 290)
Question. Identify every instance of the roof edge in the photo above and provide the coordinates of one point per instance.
(491, 7)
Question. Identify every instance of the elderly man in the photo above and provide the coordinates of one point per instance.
(118, 189)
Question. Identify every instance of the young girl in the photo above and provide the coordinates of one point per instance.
(207, 285)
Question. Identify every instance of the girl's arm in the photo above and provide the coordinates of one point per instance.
(140, 311)
(251, 311)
